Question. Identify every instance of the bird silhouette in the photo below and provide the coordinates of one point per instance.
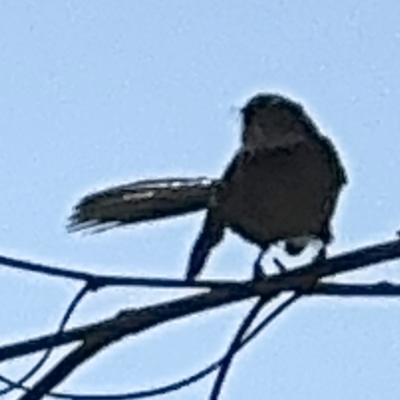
(282, 185)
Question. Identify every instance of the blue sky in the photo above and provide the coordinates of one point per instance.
(96, 93)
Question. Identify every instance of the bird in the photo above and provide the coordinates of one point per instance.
(281, 186)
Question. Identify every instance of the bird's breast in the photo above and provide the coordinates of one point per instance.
(274, 195)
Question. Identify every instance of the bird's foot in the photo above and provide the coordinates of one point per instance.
(281, 267)
(258, 273)
(321, 256)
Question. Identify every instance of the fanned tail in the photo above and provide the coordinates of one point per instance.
(141, 201)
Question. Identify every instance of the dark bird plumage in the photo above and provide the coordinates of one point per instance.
(282, 184)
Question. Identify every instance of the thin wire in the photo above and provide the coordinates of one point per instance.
(192, 378)
(234, 347)
(175, 385)
(269, 318)
(64, 320)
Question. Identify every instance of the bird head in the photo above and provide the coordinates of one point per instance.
(272, 120)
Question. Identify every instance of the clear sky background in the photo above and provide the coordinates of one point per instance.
(94, 93)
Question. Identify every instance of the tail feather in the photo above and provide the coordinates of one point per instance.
(141, 201)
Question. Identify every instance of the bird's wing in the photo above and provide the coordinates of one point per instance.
(141, 201)
(334, 161)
